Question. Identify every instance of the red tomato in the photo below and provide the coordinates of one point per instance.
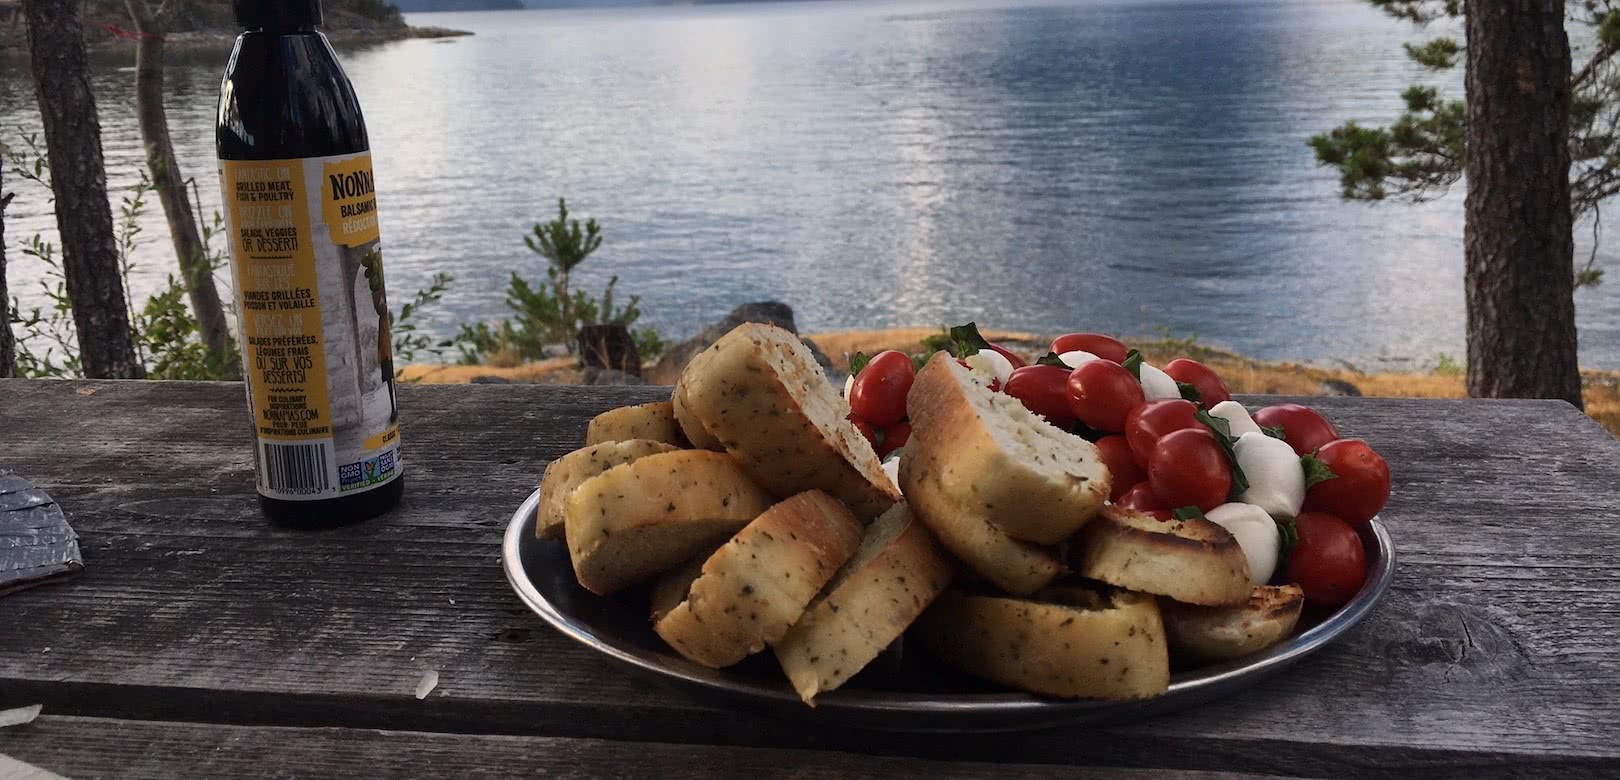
(879, 394)
(1044, 391)
(1211, 390)
(1147, 423)
(1362, 486)
(1105, 347)
(1329, 563)
(1016, 361)
(1122, 468)
(1305, 429)
(1189, 468)
(1101, 393)
(866, 430)
(1139, 497)
(894, 437)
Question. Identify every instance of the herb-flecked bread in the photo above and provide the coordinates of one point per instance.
(760, 393)
(757, 585)
(897, 572)
(637, 520)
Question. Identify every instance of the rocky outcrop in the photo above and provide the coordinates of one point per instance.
(1339, 387)
(668, 368)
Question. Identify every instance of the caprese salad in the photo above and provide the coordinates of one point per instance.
(1294, 493)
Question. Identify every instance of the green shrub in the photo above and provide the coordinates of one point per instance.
(552, 312)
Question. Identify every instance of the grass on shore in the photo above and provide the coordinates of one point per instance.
(1242, 375)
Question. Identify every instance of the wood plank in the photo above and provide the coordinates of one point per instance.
(1495, 644)
(84, 748)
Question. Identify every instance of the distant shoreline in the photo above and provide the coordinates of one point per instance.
(14, 45)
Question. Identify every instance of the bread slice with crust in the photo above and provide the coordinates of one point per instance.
(1224, 633)
(654, 421)
(671, 587)
(759, 391)
(1035, 481)
(897, 572)
(691, 427)
(758, 584)
(567, 472)
(1192, 561)
(964, 529)
(637, 520)
(1070, 642)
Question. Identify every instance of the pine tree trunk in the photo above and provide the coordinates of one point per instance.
(189, 249)
(1518, 244)
(8, 346)
(79, 182)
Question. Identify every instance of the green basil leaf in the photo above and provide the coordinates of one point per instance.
(1051, 359)
(1133, 364)
(1316, 472)
(918, 361)
(1188, 513)
(1189, 392)
(1223, 436)
(858, 362)
(1287, 540)
(966, 341)
(1275, 432)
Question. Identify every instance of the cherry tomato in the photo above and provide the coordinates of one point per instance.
(1329, 563)
(1211, 390)
(1140, 497)
(1044, 391)
(1189, 468)
(1016, 361)
(1362, 486)
(1122, 468)
(1105, 347)
(1146, 424)
(1305, 429)
(1101, 393)
(879, 394)
(894, 437)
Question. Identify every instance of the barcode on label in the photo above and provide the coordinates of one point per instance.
(297, 468)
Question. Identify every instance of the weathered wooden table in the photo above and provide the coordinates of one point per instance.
(203, 642)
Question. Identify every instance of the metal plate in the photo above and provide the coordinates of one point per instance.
(894, 694)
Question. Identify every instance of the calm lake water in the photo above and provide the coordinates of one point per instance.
(1120, 165)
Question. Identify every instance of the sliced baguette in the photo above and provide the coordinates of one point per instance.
(567, 472)
(670, 589)
(897, 572)
(654, 421)
(758, 584)
(691, 427)
(1068, 642)
(1192, 561)
(962, 528)
(637, 520)
(1224, 633)
(759, 391)
(1035, 481)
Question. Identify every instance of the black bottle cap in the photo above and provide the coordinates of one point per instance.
(277, 14)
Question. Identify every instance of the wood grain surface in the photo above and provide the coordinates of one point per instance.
(85, 748)
(1494, 653)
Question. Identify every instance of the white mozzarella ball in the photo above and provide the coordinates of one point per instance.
(1276, 478)
(1255, 532)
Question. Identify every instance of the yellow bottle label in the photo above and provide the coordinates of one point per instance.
(313, 321)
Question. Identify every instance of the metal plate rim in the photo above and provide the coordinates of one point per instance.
(1186, 689)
